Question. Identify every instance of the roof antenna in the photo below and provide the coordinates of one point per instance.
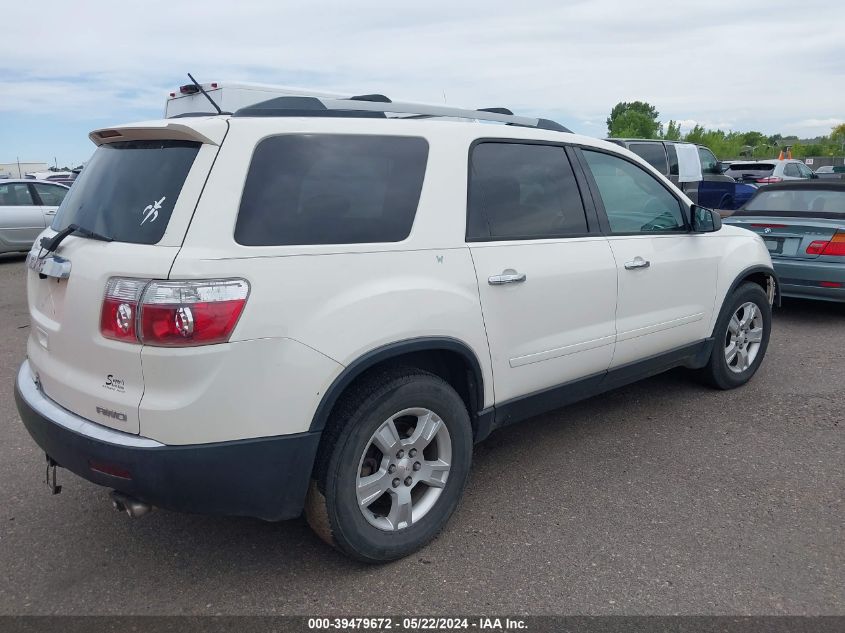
(205, 94)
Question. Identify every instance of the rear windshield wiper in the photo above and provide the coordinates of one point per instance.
(50, 244)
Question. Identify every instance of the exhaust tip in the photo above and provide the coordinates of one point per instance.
(133, 507)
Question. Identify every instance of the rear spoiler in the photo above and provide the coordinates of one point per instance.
(154, 131)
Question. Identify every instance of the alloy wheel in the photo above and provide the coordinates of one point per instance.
(403, 469)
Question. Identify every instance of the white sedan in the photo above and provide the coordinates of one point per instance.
(27, 207)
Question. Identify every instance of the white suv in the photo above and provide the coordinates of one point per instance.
(322, 304)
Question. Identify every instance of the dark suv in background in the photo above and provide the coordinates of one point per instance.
(716, 190)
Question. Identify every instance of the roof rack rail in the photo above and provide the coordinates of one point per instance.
(377, 98)
(496, 110)
(375, 106)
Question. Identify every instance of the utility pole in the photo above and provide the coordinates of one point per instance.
(20, 175)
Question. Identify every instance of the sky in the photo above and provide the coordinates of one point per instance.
(768, 65)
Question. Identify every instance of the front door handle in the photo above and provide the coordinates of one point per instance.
(637, 262)
(509, 276)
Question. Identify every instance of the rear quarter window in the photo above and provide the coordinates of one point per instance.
(331, 189)
(652, 153)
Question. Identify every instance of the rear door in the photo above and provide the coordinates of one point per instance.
(21, 219)
(667, 275)
(546, 277)
(140, 193)
(48, 196)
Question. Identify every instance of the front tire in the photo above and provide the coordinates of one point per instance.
(393, 465)
(741, 338)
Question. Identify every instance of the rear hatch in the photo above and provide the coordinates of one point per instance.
(139, 189)
(798, 221)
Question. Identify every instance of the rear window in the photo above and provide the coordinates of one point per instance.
(331, 189)
(803, 202)
(745, 167)
(652, 153)
(128, 189)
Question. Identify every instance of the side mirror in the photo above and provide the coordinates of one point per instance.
(705, 220)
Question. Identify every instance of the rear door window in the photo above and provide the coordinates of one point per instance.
(792, 171)
(51, 195)
(652, 153)
(522, 191)
(128, 189)
(331, 189)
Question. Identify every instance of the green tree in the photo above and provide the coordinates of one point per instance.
(673, 131)
(635, 119)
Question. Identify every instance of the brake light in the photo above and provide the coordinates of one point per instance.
(172, 313)
(188, 89)
(769, 180)
(119, 315)
(835, 246)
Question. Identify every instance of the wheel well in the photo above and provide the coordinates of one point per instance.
(455, 367)
(767, 281)
(449, 365)
(759, 278)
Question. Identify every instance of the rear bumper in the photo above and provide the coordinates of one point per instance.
(264, 477)
(802, 278)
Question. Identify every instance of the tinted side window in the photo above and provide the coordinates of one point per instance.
(709, 164)
(15, 194)
(331, 189)
(51, 195)
(791, 170)
(652, 153)
(635, 202)
(520, 191)
(673, 159)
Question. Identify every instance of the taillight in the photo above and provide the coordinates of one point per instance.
(173, 313)
(119, 315)
(835, 246)
(768, 180)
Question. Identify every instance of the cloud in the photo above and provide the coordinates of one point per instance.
(108, 61)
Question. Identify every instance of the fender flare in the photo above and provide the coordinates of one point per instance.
(393, 350)
(774, 298)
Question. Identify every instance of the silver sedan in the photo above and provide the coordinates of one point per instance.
(27, 207)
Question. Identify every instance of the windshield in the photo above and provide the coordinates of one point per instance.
(799, 202)
(128, 189)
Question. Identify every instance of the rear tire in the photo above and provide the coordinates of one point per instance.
(366, 501)
(741, 338)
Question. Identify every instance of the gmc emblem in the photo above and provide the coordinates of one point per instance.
(112, 414)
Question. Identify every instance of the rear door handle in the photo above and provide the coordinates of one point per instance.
(637, 262)
(508, 276)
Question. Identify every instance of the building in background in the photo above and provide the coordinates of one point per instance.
(20, 169)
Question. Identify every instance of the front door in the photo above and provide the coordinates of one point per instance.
(667, 275)
(547, 280)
